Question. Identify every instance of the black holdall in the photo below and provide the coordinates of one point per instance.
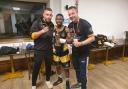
(5, 50)
(99, 41)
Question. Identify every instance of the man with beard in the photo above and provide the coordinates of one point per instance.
(42, 34)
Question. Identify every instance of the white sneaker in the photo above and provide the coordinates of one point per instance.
(33, 87)
(49, 85)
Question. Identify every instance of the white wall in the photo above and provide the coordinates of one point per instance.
(56, 7)
(63, 4)
(109, 17)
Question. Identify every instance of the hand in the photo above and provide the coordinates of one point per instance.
(76, 43)
(45, 29)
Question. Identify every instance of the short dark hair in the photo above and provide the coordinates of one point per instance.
(60, 15)
(48, 9)
(72, 7)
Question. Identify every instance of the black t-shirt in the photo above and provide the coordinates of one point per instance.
(44, 42)
(82, 30)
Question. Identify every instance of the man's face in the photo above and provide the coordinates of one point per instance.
(47, 15)
(73, 15)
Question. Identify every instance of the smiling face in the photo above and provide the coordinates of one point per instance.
(47, 15)
(59, 20)
(73, 14)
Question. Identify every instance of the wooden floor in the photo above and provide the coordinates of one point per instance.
(113, 76)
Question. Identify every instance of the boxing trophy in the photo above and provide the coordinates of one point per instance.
(70, 36)
(57, 39)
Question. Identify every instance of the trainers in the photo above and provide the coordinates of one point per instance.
(60, 80)
(77, 85)
(33, 87)
(49, 85)
(67, 85)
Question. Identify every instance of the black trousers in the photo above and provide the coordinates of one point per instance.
(80, 66)
(39, 56)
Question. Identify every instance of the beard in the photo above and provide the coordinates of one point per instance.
(48, 20)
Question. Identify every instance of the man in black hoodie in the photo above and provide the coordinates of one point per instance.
(42, 34)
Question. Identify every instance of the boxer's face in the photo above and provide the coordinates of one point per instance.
(59, 20)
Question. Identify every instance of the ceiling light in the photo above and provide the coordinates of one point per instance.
(15, 8)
